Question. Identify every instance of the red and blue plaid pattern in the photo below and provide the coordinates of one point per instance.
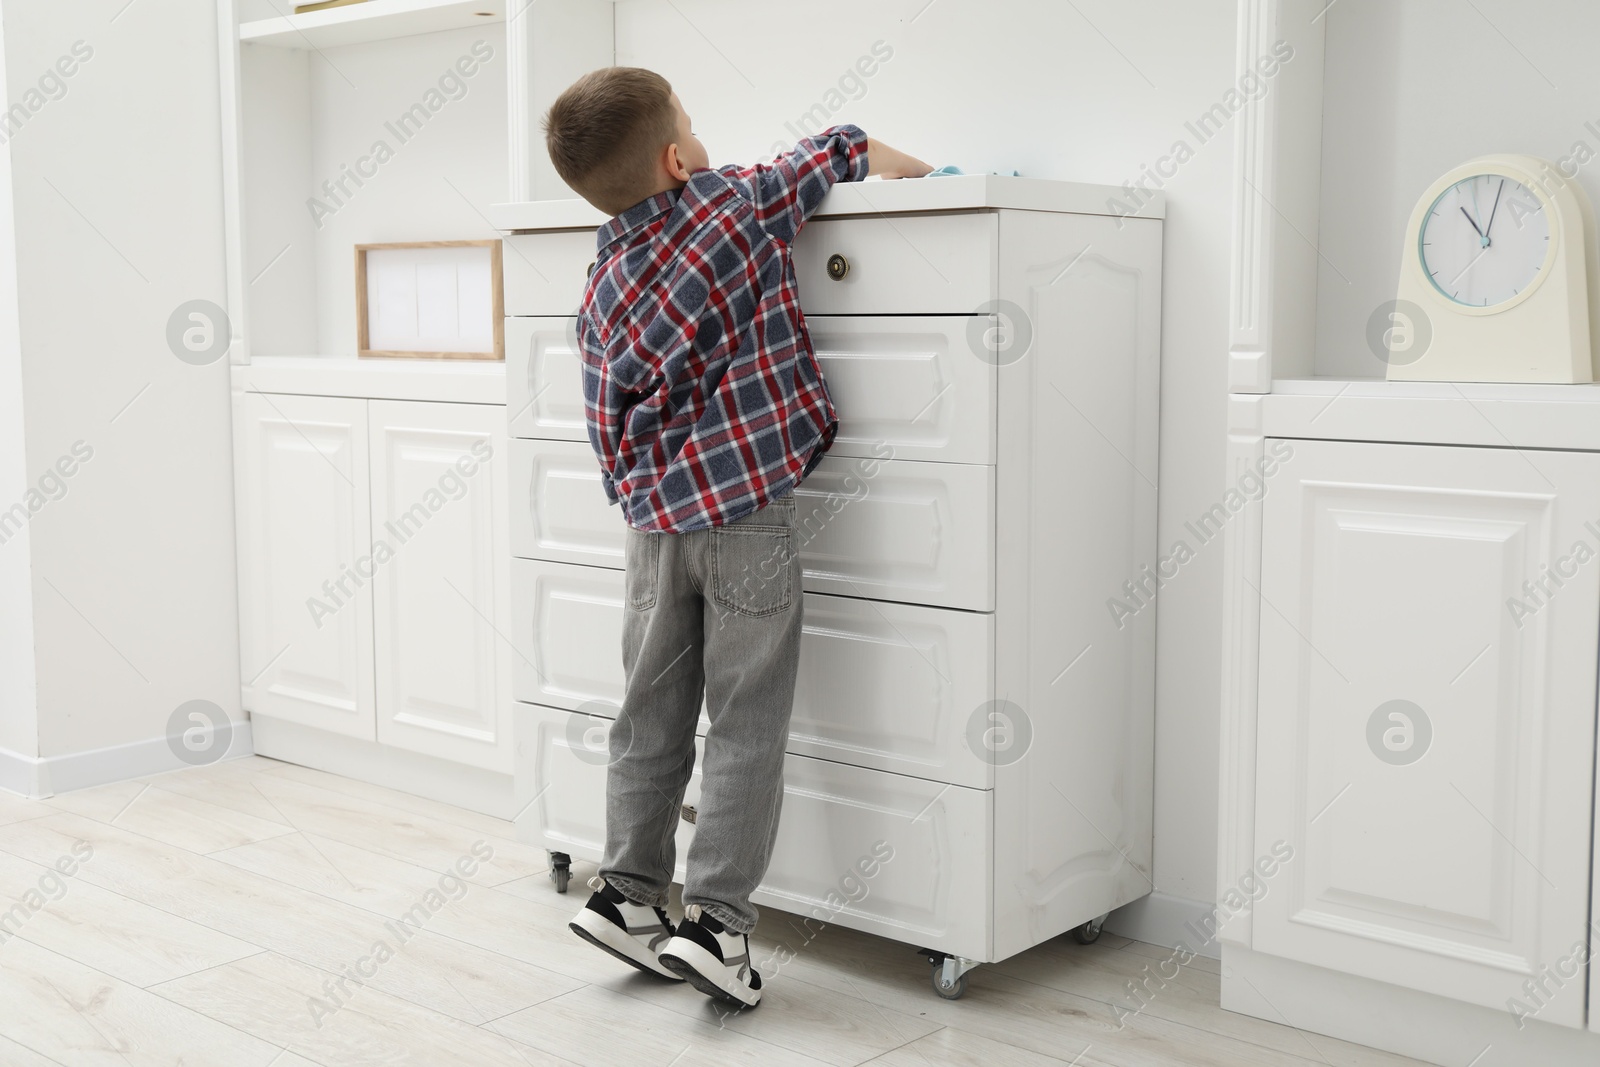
(703, 394)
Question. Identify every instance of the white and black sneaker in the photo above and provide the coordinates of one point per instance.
(631, 932)
(713, 959)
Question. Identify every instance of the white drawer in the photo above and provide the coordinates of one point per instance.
(894, 687)
(545, 272)
(559, 509)
(890, 686)
(917, 384)
(566, 629)
(544, 379)
(905, 265)
(561, 760)
(920, 533)
(892, 855)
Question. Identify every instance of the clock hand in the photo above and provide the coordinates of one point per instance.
(1481, 237)
(1469, 266)
(1487, 230)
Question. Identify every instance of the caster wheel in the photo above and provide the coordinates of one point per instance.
(1089, 932)
(951, 991)
(560, 870)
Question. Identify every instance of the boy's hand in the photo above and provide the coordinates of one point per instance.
(892, 163)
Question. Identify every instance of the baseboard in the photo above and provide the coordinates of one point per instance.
(1395, 1019)
(485, 792)
(45, 776)
(19, 774)
(1168, 921)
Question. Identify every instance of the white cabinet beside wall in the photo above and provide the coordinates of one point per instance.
(374, 569)
(1425, 743)
(1411, 592)
(1413, 625)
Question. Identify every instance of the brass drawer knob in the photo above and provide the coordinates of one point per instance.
(838, 267)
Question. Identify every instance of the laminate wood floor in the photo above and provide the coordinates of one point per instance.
(249, 914)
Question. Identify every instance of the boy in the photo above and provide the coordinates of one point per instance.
(705, 407)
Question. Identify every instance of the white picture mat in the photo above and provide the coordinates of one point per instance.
(430, 299)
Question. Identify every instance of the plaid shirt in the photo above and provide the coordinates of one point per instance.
(703, 395)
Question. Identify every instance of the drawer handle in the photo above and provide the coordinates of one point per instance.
(838, 267)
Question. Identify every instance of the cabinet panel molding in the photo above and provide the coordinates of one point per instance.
(1427, 714)
(305, 612)
(440, 515)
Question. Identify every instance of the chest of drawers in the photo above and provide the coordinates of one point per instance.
(969, 701)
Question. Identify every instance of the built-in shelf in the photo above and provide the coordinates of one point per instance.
(375, 20)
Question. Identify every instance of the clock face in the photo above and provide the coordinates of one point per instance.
(1485, 240)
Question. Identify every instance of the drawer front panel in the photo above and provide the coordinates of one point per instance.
(544, 379)
(894, 687)
(900, 857)
(919, 533)
(923, 386)
(559, 510)
(566, 627)
(560, 778)
(892, 855)
(545, 272)
(889, 686)
(907, 265)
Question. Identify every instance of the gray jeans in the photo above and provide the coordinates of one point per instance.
(716, 613)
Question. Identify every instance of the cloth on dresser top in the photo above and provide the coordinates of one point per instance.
(944, 172)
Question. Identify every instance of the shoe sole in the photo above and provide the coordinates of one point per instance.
(685, 959)
(603, 934)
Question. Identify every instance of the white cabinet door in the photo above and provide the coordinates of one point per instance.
(305, 613)
(441, 573)
(544, 379)
(1427, 709)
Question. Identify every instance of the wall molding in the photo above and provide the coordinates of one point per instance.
(46, 776)
(1168, 921)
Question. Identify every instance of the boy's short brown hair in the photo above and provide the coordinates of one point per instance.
(604, 132)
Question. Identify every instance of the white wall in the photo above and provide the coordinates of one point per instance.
(19, 730)
(1036, 86)
(117, 195)
(1412, 90)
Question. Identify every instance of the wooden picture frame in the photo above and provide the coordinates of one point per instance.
(386, 347)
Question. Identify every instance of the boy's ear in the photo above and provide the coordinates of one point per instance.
(674, 163)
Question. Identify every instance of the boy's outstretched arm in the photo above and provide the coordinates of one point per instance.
(786, 191)
(889, 162)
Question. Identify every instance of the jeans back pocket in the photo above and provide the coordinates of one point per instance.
(753, 565)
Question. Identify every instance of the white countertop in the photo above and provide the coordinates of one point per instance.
(1448, 413)
(458, 381)
(960, 192)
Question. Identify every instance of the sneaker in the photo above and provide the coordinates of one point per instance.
(713, 959)
(631, 932)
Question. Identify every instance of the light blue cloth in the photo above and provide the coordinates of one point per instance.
(946, 171)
